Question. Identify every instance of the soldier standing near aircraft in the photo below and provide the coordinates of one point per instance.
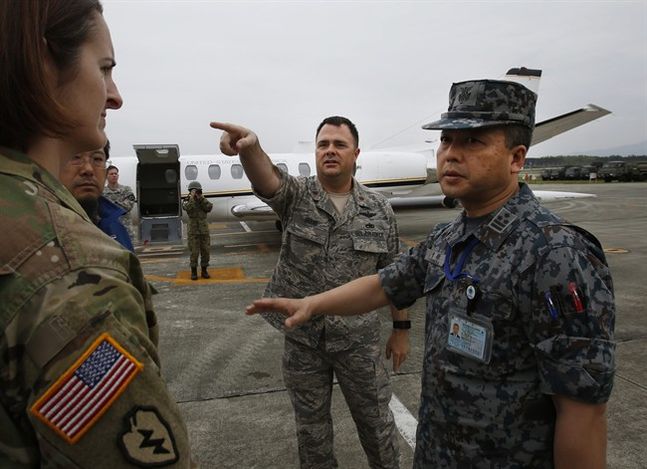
(525, 383)
(85, 176)
(122, 196)
(197, 206)
(334, 230)
(80, 382)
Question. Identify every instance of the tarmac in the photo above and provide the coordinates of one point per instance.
(224, 368)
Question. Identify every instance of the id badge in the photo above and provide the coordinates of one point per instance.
(470, 336)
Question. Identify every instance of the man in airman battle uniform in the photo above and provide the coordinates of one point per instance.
(526, 380)
(334, 230)
(197, 206)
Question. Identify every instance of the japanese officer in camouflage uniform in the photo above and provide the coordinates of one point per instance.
(122, 196)
(80, 383)
(525, 382)
(334, 230)
(196, 207)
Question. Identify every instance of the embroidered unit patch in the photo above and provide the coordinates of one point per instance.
(87, 389)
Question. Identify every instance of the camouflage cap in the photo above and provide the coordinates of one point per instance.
(483, 103)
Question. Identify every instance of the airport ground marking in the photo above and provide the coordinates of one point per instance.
(405, 422)
(409, 242)
(232, 275)
(616, 251)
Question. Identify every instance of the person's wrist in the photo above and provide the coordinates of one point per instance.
(402, 325)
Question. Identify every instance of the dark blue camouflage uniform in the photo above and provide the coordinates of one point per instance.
(500, 414)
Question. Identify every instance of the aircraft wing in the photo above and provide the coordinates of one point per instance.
(560, 124)
(551, 196)
(442, 201)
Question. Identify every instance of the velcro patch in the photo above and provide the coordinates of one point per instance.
(147, 440)
(87, 389)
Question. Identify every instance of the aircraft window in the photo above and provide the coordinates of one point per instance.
(283, 167)
(304, 169)
(191, 172)
(214, 171)
(171, 176)
(237, 171)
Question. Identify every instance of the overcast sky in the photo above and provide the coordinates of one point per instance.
(279, 67)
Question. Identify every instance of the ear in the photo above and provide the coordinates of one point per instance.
(518, 159)
(356, 153)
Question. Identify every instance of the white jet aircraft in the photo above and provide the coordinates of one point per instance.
(159, 176)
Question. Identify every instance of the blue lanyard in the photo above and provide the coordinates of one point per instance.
(458, 273)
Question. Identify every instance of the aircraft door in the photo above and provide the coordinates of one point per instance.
(158, 193)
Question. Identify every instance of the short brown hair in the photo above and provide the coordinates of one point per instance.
(29, 31)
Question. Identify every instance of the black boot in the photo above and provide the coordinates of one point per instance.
(205, 273)
(194, 273)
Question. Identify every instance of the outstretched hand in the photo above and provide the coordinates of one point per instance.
(297, 310)
(235, 139)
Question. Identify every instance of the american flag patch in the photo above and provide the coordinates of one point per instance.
(87, 389)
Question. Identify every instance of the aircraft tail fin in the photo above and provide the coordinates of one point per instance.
(528, 77)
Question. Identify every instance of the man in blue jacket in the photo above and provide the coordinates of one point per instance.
(85, 176)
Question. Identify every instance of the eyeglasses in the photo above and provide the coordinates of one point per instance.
(98, 160)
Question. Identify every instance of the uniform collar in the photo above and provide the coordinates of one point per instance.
(498, 225)
(357, 199)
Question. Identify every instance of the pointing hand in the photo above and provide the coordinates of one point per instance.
(236, 139)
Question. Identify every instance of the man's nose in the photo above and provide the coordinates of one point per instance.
(87, 166)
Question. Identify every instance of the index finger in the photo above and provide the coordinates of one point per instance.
(226, 127)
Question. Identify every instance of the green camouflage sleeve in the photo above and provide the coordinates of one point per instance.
(87, 381)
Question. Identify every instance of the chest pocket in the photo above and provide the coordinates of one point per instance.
(306, 242)
(435, 274)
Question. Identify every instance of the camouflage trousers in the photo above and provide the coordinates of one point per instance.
(364, 381)
(199, 245)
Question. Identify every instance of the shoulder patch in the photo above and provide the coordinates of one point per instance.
(86, 390)
(148, 440)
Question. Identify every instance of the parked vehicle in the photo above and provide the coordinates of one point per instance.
(557, 173)
(621, 171)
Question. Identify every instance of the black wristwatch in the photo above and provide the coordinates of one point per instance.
(402, 324)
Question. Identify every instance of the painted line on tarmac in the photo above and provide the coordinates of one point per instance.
(409, 242)
(202, 281)
(405, 422)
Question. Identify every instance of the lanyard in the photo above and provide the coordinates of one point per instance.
(457, 273)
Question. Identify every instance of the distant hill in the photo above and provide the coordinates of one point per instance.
(578, 160)
(639, 148)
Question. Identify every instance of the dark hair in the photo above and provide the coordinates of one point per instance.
(30, 31)
(338, 121)
(517, 135)
(106, 150)
(112, 166)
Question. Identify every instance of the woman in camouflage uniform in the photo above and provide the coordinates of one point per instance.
(79, 370)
